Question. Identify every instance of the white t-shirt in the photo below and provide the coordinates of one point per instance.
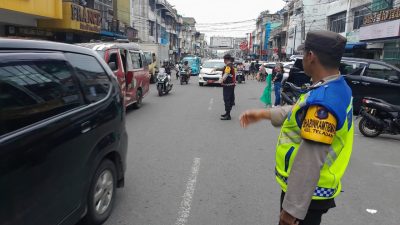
(247, 66)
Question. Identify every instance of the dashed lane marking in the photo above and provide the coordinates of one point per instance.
(184, 210)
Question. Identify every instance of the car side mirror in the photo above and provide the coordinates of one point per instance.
(113, 66)
(393, 79)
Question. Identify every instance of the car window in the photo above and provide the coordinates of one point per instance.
(380, 71)
(95, 81)
(351, 68)
(148, 57)
(32, 91)
(114, 58)
(136, 60)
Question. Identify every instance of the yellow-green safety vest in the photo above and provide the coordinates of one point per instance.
(336, 97)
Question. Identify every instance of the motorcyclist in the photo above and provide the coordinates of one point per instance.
(187, 69)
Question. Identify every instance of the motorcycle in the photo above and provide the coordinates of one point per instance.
(163, 83)
(291, 93)
(184, 77)
(240, 76)
(379, 117)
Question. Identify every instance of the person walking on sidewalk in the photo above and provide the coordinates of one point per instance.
(316, 138)
(228, 82)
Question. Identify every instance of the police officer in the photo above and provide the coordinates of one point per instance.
(316, 138)
(228, 82)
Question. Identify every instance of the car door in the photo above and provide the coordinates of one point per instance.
(113, 56)
(130, 78)
(138, 71)
(353, 71)
(379, 83)
(146, 74)
(43, 123)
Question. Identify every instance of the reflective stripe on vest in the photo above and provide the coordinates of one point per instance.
(329, 185)
(318, 192)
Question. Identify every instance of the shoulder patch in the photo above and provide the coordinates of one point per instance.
(319, 125)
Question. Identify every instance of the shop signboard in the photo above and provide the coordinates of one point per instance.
(75, 17)
(389, 29)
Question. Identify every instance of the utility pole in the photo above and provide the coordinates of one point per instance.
(294, 39)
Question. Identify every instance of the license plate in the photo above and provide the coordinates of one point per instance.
(210, 81)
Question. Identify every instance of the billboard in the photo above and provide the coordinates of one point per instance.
(221, 42)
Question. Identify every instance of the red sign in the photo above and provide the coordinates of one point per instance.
(244, 45)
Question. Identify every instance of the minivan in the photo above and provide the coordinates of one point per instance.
(130, 67)
(63, 141)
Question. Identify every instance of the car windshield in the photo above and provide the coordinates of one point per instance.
(210, 64)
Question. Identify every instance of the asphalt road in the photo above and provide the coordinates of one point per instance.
(185, 166)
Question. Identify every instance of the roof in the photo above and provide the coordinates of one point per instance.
(108, 45)
(189, 20)
(6, 43)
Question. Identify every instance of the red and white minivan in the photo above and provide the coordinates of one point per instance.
(128, 63)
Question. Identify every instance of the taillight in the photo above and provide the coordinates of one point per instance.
(366, 101)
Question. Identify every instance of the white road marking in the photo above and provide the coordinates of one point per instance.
(184, 210)
(210, 105)
(386, 165)
(372, 211)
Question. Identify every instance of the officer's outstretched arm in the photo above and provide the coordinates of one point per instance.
(253, 116)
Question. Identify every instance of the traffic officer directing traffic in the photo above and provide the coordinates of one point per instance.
(228, 82)
(316, 138)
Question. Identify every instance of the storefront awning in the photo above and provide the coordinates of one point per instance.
(112, 34)
(355, 45)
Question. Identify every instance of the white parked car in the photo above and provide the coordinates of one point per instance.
(208, 73)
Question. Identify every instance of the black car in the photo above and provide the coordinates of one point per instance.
(63, 141)
(367, 78)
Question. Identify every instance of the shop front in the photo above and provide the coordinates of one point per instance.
(383, 29)
(78, 24)
(18, 18)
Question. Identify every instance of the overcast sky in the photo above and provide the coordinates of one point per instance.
(211, 15)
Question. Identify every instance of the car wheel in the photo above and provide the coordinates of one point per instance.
(101, 197)
(368, 129)
(201, 84)
(139, 99)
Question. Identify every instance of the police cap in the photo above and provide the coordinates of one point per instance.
(327, 42)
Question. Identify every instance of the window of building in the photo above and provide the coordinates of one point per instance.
(32, 91)
(95, 82)
(337, 22)
(378, 5)
(151, 28)
(136, 60)
(152, 4)
(359, 17)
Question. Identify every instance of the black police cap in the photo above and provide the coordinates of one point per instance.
(325, 41)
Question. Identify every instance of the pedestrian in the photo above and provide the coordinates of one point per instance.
(278, 83)
(228, 82)
(315, 143)
(247, 69)
(262, 73)
(252, 70)
(266, 96)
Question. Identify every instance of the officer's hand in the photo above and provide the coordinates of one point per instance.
(287, 219)
(252, 116)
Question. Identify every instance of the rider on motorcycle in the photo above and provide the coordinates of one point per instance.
(187, 69)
